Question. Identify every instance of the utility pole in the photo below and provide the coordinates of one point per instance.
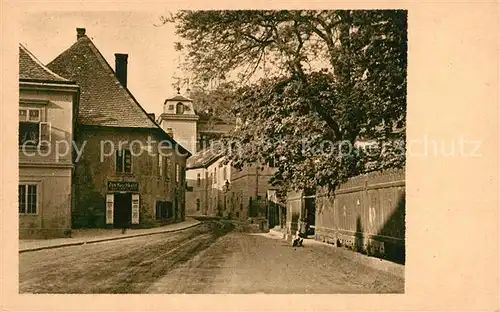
(256, 182)
(257, 187)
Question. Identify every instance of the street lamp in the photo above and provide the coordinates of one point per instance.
(225, 189)
(226, 186)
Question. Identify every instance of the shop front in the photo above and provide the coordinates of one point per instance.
(122, 204)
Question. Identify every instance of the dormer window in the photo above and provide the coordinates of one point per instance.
(179, 109)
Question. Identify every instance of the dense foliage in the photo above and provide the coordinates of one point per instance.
(312, 85)
(217, 102)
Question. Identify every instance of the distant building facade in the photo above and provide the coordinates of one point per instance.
(121, 178)
(48, 105)
(222, 190)
(214, 188)
(249, 189)
(209, 191)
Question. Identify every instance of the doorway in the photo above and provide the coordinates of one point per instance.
(122, 210)
(310, 207)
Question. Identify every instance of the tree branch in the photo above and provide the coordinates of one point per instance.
(261, 41)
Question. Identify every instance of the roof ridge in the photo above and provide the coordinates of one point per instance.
(204, 158)
(37, 61)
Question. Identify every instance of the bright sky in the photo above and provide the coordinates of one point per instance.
(152, 60)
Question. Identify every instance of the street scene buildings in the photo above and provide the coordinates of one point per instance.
(228, 176)
(48, 105)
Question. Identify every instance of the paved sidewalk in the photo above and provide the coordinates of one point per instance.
(376, 263)
(277, 231)
(88, 236)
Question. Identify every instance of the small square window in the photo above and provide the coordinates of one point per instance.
(22, 115)
(34, 115)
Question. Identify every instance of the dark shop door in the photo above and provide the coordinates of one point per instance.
(311, 214)
(122, 210)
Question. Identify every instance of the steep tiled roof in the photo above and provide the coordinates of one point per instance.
(103, 99)
(203, 158)
(31, 69)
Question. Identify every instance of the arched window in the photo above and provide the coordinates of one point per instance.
(179, 108)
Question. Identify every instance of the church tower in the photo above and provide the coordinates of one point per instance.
(179, 120)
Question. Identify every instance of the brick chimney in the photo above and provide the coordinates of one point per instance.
(80, 32)
(121, 61)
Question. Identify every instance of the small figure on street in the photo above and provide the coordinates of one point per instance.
(298, 240)
(125, 227)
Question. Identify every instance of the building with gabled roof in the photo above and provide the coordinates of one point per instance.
(48, 105)
(213, 187)
(131, 172)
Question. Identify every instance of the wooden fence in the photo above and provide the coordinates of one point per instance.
(366, 214)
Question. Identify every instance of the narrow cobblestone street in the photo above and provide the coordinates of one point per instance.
(199, 260)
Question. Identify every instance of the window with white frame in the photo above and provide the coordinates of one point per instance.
(28, 198)
(33, 129)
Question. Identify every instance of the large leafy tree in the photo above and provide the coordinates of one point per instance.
(215, 102)
(327, 80)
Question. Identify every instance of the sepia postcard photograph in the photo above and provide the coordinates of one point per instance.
(214, 151)
(209, 151)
